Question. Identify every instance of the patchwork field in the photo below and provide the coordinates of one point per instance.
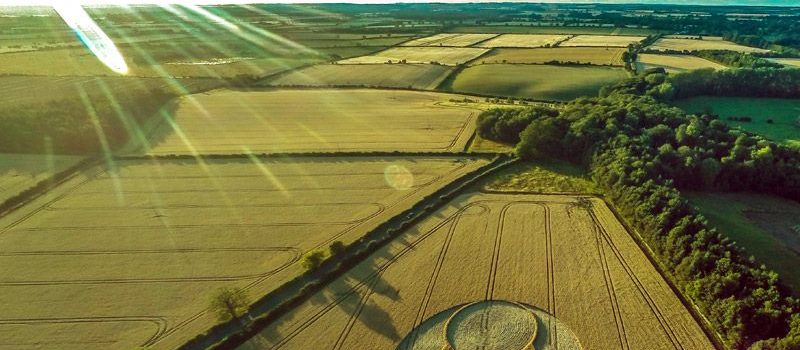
(783, 112)
(80, 62)
(441, 55)
(317, 120)
(670, 44)
(19, 172)
(602, 40)
(524, 40)
(542, 82)
(591, 55)
(125, 258)
(674, 63)
(557, 271)
(765, 226)
(449, 39)
(418, 76)
(528, 29)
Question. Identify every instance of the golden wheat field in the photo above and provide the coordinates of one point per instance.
(673, 44)
(450, 56)
(449, 39)
(602, 40)
(674, 63)
(555, 272)
(115, 259)
(313, 120)
(582, 55)
(418, 76)
(19, 172)
(524, 40)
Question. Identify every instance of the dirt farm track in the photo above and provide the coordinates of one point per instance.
(566, 258)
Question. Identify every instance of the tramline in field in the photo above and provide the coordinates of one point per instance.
(559, 260)
(126, 258)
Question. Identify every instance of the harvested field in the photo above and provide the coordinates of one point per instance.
(789, 62)
(442, 55)
(418, 76)
(452, 39)
(551, 30)
(318, 120)
(674, 63)
(765, 226)
(541, 82)
(582, 55)
(129, 257)
(19, 172)
(568, 258)
(602, 40)
(668, 44)
(524, 40)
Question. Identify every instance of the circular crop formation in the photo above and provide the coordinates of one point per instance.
(491, 325)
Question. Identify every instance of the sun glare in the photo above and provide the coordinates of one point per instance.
(92, 36)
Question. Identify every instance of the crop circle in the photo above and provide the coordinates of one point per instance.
(492, 325)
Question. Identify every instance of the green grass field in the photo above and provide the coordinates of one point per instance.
(784, 112)
(760, 224)
(542, 177)
(541, 82)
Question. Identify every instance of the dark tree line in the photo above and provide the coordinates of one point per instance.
(74, 125)
(737, 59)
(642, 153)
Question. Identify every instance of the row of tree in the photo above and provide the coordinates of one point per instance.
(78, 125)
(641, 152)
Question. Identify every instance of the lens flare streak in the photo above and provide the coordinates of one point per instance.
(92, 36)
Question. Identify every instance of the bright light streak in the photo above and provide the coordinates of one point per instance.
(92, 36)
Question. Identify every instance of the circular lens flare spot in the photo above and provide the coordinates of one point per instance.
(398, 177)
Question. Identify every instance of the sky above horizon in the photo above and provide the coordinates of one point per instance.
(209, 2)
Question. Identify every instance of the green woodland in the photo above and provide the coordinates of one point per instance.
(642, 152)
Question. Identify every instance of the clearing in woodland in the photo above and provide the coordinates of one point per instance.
(115, 259)
(313, 120)
(674, 63)
(417, 76)
(577, 55)
(450, 56)
(559, 272)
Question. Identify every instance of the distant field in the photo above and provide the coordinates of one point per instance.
(674, 63)
(126, 258)
(446, 39)
(783, 112)
(664, 44)
(602, 41)
(418, 76)
(316, 120)
(766, 227)
(79, 62)
(544, 82)
(591, 55)
(566, 260)
(17, 89)
(523, 40)
(790, 62)
(19, 172)
(442, 55)
(551, 30)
